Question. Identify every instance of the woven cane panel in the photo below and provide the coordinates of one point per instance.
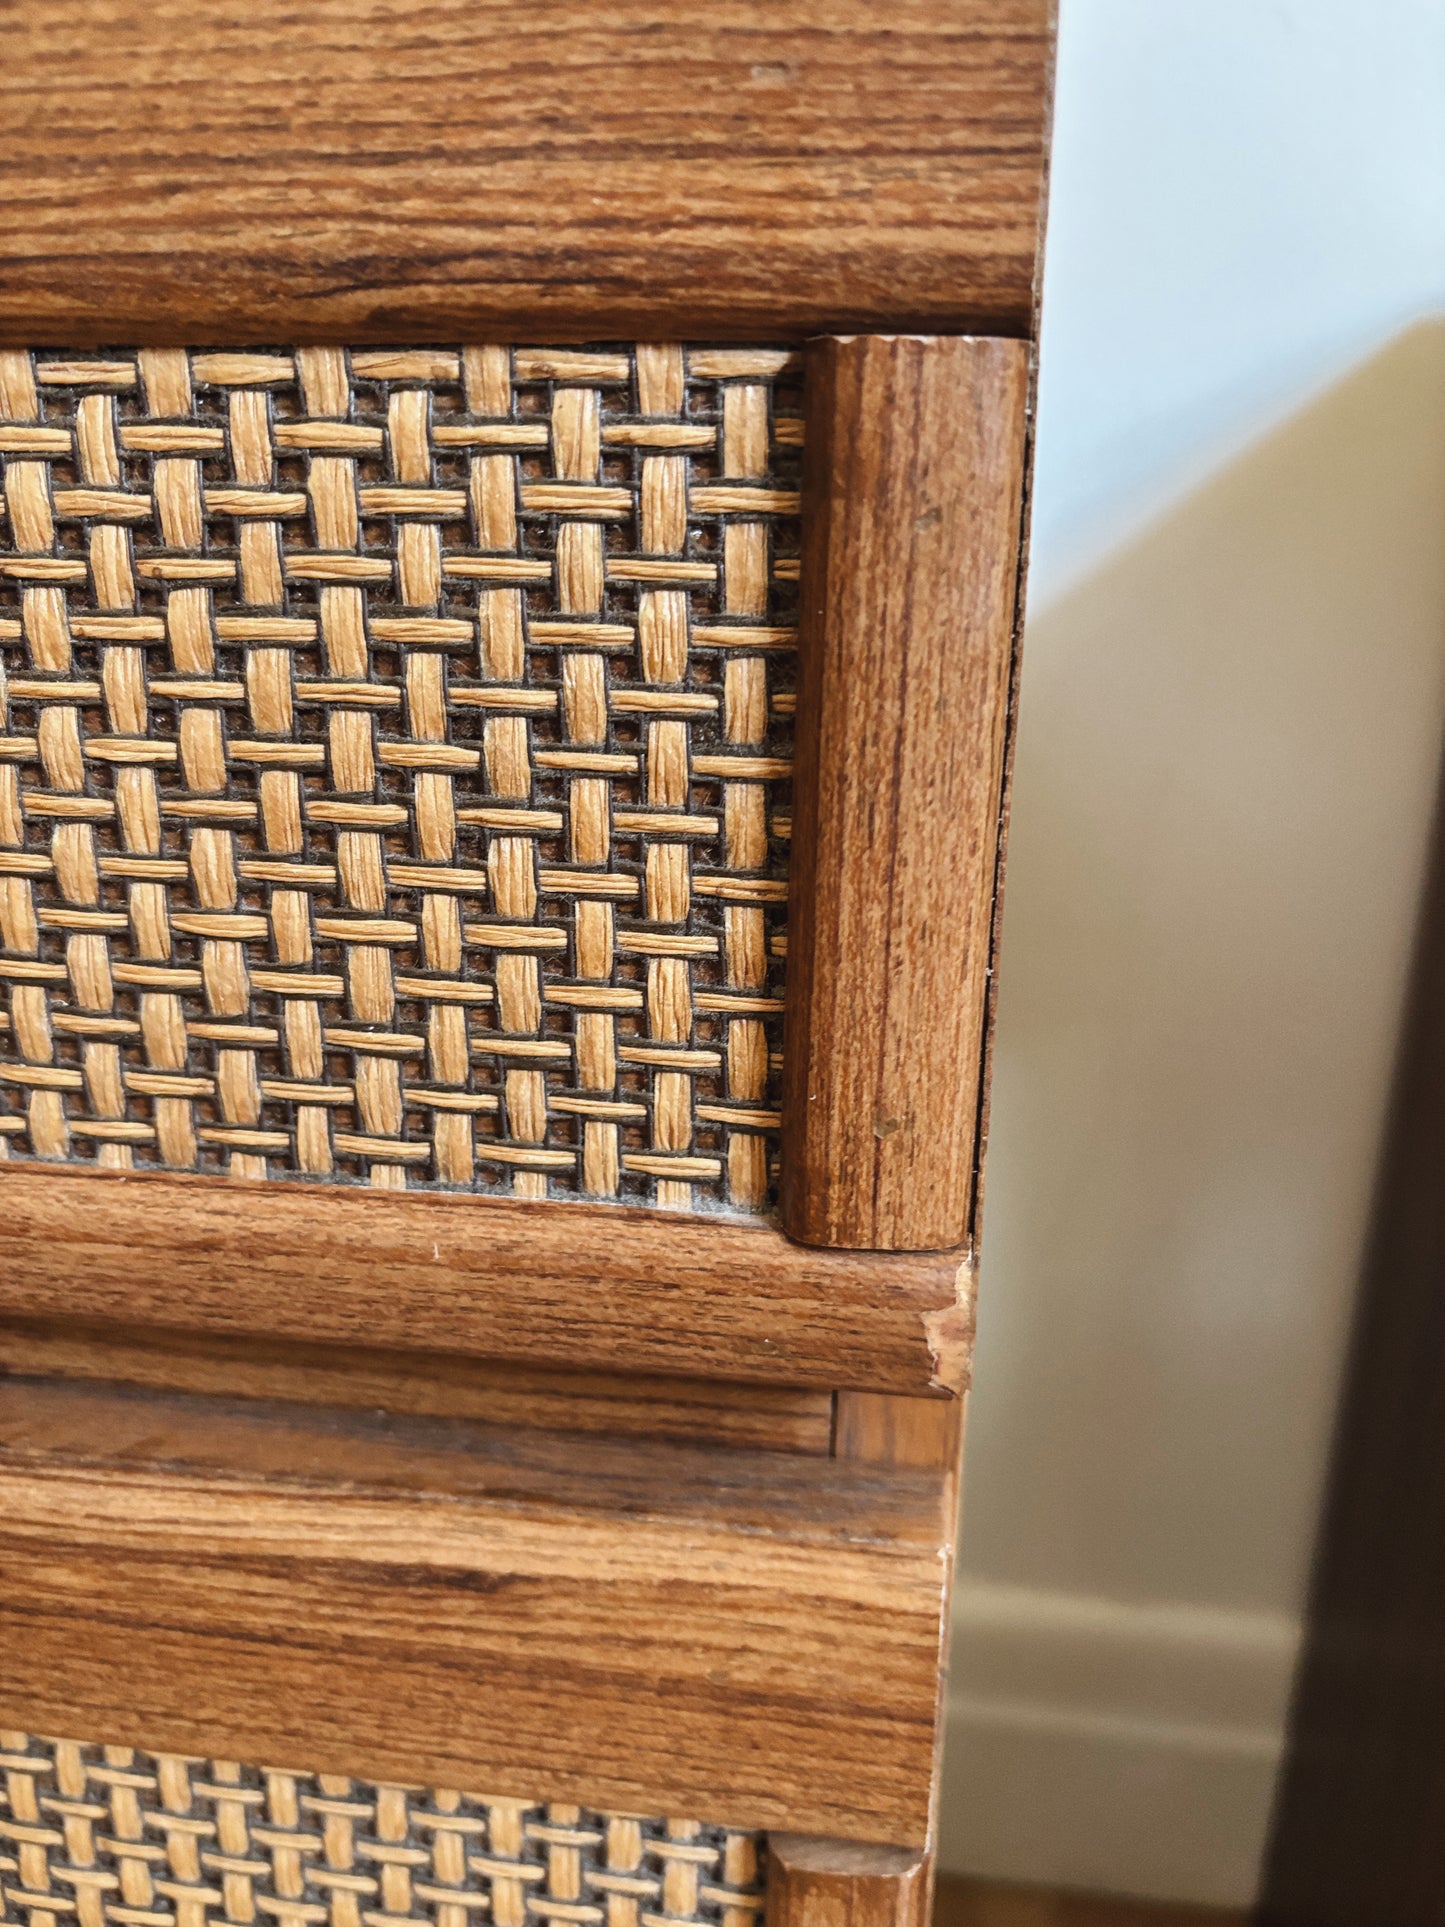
(394, 751)
(108, 1837)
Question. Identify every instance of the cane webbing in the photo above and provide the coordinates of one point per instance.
(107, 1837)
(394, 751)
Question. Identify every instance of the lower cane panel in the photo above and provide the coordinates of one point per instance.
(109, 1837)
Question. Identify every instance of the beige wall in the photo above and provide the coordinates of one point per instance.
(1227, 758)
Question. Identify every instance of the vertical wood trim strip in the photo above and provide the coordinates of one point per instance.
(882, 1428)
(912, 494)
(886, 1428)
(842, 1883)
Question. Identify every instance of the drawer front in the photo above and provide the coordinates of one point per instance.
(623, 1623)
(447, 791)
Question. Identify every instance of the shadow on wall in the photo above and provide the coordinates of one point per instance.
(1227, 760)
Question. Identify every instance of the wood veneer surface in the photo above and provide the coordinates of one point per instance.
(202, 170)
(427, 1385)
(912, 503)
(590, 1287)
(754, 1636)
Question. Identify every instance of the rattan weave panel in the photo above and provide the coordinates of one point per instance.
(394, 750)
(112, 1838)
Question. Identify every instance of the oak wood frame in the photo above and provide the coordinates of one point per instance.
(828, 222)
(913, 486)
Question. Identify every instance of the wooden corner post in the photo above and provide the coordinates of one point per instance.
(846, 1883)
(912, 497)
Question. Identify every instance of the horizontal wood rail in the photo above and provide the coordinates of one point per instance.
(781, 1418)
(199, 171)
(597, 1287)
(753, 1636)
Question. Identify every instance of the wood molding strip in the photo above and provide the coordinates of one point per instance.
(586, 1287)
(425, 165)
(754, 1636)
(691, 1411)
(912, 499)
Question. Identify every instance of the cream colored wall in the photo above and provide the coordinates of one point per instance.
(1233, 707)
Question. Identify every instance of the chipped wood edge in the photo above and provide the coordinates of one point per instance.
(576, 1286)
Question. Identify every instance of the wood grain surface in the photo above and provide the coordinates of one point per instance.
(661, 1628)
(912, 500)
(841, 1883)
(585, 1287)
(882, 1428)
(890, 1430)
(699, 1411)
(207, 171)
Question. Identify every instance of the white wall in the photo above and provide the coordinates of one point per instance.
(1248, 199)
(1233, 706)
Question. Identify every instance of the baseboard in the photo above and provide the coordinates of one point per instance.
(1117, 1748)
